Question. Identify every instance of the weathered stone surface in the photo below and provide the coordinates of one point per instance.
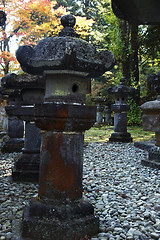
(15, 131)
(15, 127)
(64, 117)
(151, 120)
(11, 144)
(120, 107)
(67, 86)
(146, 145)
(151, 106)
(62, 154)
(120, 137)
(27, 165)
(154, 154)
(25, 113)
(21, 81)
(150, 163)
(32, 138)
(72, 226)
(120, 120)
(151, 115)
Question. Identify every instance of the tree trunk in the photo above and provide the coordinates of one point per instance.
(85, 4)
(134, 60)
(125, 57)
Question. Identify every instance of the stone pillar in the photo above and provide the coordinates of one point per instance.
(3, 120)
(99, 100)
(15, 129)
(32, 138)
(59, 211)
(107, 113)
(15, 141)
(99, 116)
(120, 108)
(27, 166)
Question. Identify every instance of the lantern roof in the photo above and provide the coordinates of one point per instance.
(65, 52)
(122, 89)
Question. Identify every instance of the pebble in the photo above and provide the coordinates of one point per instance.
(125, 194)
(129, 193)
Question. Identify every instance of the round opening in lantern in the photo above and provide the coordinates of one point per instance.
(75, 88)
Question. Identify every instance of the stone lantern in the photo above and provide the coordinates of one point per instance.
(99, 100)
(120, 108)
(67, 64)
(31, 91)
(14, 142)
(107, 112)
(151, 122)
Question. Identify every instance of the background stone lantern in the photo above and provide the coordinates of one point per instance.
(107, 114)
(99, 100)
(151, 122)
(31, 91)
(15, 130)
(67, 63)
(120, 108)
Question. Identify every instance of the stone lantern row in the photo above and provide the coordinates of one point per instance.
(53, 102)
(120, 109)
(22, 92)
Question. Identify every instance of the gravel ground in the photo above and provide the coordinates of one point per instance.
(125, 194)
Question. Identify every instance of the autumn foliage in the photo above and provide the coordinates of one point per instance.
(37, 20)
(41, 19)
(32, 20)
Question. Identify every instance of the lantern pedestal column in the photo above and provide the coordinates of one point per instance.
(59, 210)
(120, 124)
(27, 166)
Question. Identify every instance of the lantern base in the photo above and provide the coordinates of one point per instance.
(9, 145)
(69, 221)
(144, 145)
(151, 164)
(120, 137)
(27, 168)
(153, 160)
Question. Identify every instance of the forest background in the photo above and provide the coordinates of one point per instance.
(136, 48)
